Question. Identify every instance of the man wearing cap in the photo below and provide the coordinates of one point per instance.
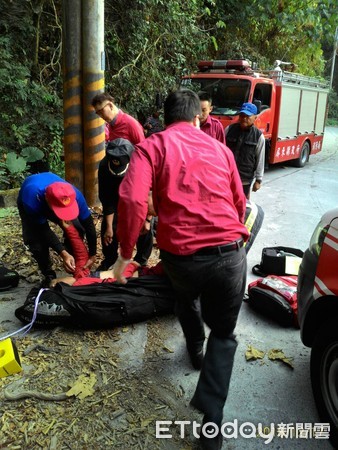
(112, 169)
(118, 123)
(248, 145)
(208, 124)
(46, 196)
(200, 203)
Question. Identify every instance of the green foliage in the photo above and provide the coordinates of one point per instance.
(15, 164)
(32, 154)
(162, 41)
(292, 30)
(16, 167)
(30, 102)
(11, 211)
(55, 149)
(333, 108)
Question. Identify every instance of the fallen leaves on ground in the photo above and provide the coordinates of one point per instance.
(119, 404)
(253, 353)
(277, 354)
(83, 386)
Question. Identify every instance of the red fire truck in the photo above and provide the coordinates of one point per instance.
(291, 107)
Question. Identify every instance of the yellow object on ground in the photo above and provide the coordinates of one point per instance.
(253, 353)
(9, 358)
(278, 354)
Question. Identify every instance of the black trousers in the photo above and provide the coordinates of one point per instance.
(144, 246)
(210, 289)
(37, 238)
(247, 190)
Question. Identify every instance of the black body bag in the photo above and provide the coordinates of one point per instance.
(273, 261)
(103, 305)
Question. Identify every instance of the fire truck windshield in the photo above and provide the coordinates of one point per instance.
(228, 94)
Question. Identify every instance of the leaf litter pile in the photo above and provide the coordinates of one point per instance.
(75, 392)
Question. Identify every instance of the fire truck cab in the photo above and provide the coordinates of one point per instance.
(317, 295)
(291, 107)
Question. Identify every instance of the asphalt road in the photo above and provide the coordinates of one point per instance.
(262, 391)
(269, 392)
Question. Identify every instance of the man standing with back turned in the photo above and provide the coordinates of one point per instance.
(199, 199)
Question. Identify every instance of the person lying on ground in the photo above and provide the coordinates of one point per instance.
(82, 275)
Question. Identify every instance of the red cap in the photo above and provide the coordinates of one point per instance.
(61, 198)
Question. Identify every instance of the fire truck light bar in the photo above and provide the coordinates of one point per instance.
(230, 64)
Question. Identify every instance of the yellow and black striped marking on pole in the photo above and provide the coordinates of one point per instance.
(73, 137)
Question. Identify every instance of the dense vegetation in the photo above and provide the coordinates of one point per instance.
(149, 44)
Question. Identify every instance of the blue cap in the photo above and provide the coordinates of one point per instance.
(248, 109)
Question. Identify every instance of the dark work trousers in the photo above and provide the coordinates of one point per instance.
(144, 246)
(247, 190)
(218, 281)
(34, 236)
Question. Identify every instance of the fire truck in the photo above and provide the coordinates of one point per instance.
(291, 107)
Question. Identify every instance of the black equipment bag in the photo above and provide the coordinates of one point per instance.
(273, 261)
(103, 305)
(8, 278)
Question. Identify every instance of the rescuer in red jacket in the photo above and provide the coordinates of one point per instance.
(199, 199)
(118, 123)
(209, 124)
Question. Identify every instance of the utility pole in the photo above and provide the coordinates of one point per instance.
(93, 82)
(72, 92)
(83, 75)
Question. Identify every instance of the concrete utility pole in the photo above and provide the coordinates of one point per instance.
(93, 82)
(72, 92)
(83, 72)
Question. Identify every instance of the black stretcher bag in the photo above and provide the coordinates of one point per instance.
(8, 278)
(102, 305)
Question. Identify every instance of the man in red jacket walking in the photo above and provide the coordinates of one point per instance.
(199, 199)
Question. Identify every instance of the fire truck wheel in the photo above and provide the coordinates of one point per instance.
(324, 376)
(304, 156)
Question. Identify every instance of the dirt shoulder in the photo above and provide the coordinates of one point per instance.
(118, 373)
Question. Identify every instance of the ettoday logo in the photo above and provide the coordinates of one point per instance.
(246, 430)
(229, 430)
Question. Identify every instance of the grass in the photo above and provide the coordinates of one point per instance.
(11, 211)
